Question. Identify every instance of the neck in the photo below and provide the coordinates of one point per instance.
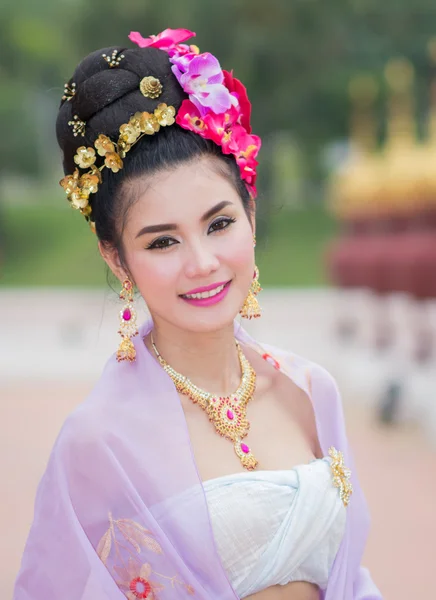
(209, 360)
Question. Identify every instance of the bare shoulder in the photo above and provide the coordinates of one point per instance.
(293, 399)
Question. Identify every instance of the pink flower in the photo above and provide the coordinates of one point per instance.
(210, 126)
(227, 133)
(220, 126)
(165, 40)
(218, 108)
(182, 49)
(245, 148)
(242, 144)
(202, 78)
(237, 89)
(189, 117)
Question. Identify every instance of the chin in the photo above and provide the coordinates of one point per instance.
(209, 320)
(212, 323)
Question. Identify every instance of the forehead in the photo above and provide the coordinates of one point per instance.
(184, 192)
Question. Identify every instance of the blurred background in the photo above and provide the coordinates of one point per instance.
(344, 97)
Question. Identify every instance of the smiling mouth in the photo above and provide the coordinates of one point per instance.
(204, 295)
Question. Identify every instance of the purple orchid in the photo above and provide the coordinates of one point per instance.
(201, 77)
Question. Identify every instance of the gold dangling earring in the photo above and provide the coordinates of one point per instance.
(128, 328)
(251, 308)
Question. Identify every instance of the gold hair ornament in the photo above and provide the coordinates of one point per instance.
(150, 87)
(114, 59)
(78, 187)
(78, 126)
(69, 91)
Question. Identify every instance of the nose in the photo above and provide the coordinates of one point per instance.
(200, 261)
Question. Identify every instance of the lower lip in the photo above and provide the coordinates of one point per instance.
(209, 301)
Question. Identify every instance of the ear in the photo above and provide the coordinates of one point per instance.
(111, 257)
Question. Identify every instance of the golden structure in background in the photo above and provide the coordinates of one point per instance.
(385, 196)
(399, 178)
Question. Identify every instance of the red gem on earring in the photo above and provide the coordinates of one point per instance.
(127, 315)
(245, 448)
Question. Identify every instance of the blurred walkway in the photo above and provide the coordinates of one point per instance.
(67, 336)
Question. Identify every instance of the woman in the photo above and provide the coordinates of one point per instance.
(141, 498)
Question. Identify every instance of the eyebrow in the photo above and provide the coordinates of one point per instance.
(172, 226)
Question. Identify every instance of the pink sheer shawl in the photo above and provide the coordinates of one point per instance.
(121, 511)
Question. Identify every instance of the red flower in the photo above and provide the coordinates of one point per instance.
(238, 89)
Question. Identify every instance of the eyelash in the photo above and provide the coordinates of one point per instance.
(155, 244)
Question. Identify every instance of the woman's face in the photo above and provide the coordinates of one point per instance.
(189, 235)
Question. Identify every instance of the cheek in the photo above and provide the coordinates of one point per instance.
(240, 252)
(154, 273)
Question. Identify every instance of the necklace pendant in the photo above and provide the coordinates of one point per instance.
(229, 418)
(245, 456)
(229, 414)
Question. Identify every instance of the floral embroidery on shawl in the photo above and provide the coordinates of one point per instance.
(309, 382)
(119, 549)
(271, 360)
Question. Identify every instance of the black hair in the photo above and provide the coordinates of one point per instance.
(106, 98)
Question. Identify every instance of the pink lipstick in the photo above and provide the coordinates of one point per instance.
(209, 301)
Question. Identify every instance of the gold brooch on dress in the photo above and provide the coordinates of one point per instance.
(341, 475)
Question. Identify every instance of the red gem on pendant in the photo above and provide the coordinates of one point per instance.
(245, 448)
(230, 415)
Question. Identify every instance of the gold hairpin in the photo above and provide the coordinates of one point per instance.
(78, 126)
(79, 186)
(69, 91)
(150, 87)
(114, 59)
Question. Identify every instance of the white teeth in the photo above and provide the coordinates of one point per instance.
(206, 294)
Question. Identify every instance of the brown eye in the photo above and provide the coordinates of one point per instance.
(220, 224)
(162, 243)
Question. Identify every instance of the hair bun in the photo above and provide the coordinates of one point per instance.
(106, 97)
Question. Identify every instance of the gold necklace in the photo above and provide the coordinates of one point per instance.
(229, 414)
